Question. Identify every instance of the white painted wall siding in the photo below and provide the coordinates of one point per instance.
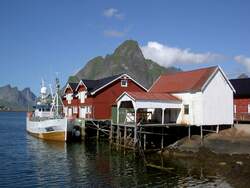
(194, 100)
(217, 102)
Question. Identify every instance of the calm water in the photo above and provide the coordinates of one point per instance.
(29, 162)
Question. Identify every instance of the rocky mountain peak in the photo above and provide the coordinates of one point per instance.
(127, 58)
(129, 49)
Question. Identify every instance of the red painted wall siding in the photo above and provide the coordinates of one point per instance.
(74, 102)
(242, 105)
(103, 100)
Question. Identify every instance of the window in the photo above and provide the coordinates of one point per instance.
(186, 109)
(248, 108)
(124, 83)
(69, 98)
(82, 96)
(88, 109)
(75, 109)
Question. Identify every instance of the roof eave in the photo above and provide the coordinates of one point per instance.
(95, 91)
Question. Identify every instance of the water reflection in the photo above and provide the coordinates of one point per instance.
(29, 162)
(98, 165)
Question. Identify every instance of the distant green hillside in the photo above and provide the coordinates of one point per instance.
(127, 58)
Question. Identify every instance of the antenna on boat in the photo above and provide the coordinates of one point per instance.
(51, 90)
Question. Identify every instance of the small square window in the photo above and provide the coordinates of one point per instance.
(124, 83)
(186, 109)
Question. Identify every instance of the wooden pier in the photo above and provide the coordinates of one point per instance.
(147, 137)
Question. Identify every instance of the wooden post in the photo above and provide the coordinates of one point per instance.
(162, 115)
(217, 129)
(144, 141)
(97, 132)
(83, 132)
(189, 132)
(117, 134)
(135, 135)
(117, 116)
(111, 133)
(125, 135)
(201, 132)
(140, 138)
(162, 139)
(135, 129)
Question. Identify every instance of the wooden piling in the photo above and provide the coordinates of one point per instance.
(111, 134)
(97, 131)
(135, 135)
(217, 129)
(201, 132)
(125, 135)
(189, 132)
(83, 132)
(117, 134)
(144, 141)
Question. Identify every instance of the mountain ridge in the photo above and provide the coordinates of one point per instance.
(13, 99)
(126, 58)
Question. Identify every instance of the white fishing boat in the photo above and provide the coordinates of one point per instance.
(47, 121)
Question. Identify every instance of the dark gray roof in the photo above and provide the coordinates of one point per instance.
(73, 85)
(241, 86)
(93, 85)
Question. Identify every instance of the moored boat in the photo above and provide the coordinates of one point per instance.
(47, 121)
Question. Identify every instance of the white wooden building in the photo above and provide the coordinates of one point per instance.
(197, 97)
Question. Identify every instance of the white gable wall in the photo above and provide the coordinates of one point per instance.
(217, 102)
(194, 100)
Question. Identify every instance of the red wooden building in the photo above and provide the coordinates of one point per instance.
(71, 101)
(241, 99)
(93, 99)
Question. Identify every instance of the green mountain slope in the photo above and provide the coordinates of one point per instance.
(127, 58)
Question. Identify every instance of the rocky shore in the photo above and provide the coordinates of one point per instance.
(225, 155)
(231, 141)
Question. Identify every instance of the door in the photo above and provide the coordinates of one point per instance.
(82, 112)
(70, 112)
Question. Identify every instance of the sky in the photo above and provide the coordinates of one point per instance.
(44, 38)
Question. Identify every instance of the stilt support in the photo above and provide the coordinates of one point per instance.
(144, 141)
(217, 129)
(189, 132)
(201, 132)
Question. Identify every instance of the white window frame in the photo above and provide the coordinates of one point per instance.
(186, 105)
(126, 83)
(235, 108)
(75, 109)
(88, 109)
(248, 106)
(65, 110)
(69, 98)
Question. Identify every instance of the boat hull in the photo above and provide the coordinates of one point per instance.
(50, 129)
(55, 136)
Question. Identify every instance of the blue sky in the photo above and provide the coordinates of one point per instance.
(41, 37)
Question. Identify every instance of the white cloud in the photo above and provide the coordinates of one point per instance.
(112, 12)
(243, 60)
(168, 56)
(114, 33)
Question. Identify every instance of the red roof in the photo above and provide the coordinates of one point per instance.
(182, 81)
(152, 96)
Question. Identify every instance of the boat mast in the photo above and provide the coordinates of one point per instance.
(57, 96)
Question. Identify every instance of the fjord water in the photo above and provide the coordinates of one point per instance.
(29, 162)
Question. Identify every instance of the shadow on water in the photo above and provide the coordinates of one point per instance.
(27, 162)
